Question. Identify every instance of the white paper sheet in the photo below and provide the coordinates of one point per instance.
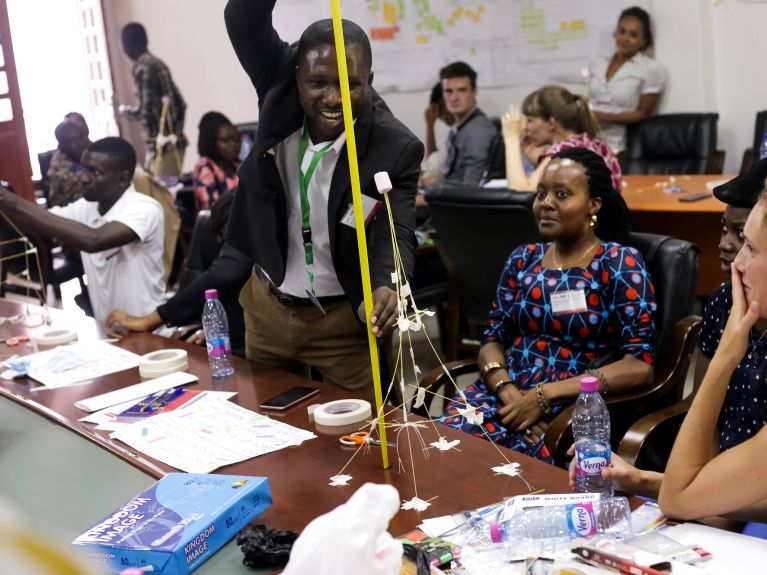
(733, 553)
(135, 392)
(208, 433)
(68, 364)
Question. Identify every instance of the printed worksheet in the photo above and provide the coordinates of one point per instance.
(68, 364)
(207, 433)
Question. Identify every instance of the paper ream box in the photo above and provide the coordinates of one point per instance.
(175, 524)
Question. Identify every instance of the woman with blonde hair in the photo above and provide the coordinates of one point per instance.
(554, 119)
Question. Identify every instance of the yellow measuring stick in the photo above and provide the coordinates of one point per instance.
(359, 219)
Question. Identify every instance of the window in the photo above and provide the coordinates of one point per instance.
(68, 73)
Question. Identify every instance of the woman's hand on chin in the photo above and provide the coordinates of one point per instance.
(734, 342)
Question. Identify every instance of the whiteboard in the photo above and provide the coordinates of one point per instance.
(508, 42)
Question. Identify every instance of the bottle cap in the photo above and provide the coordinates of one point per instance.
(211, 294)
(496, 533)
(589, 383)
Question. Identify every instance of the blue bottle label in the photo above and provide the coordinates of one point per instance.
(591, 461)
(580, 520)
(218, 347)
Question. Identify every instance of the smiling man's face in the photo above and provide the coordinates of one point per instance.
(319, 89)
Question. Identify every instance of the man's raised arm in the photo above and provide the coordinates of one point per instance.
(254, 39)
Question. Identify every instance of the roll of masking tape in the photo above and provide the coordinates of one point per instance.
(55, 337)
(162, 362)
(342, 412)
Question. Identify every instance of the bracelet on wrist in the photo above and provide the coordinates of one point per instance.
(603, 386)
(498, 385)
(542, 401)
(487, 368)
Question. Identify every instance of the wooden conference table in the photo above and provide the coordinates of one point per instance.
(298, 476)
(656, 211)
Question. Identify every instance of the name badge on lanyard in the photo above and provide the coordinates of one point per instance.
(565, 302)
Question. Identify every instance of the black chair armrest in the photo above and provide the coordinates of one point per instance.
(625, 408)
(641, 432)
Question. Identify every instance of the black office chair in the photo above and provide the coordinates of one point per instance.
(477, 229)
(203, 249)
(673, 144)
(755, 152)
(44, 159)
(648, 442)
(673, 264)
(496, 166)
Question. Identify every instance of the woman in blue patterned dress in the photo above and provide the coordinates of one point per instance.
(560, 306)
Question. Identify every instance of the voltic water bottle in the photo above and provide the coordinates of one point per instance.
(591, 431)
(216, 328)
(543, 525)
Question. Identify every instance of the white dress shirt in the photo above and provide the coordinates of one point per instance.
(296, 281)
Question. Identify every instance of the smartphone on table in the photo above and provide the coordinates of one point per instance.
(695, 197)
(289, 398)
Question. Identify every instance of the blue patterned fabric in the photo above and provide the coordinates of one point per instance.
(744, 411)
(541, 347)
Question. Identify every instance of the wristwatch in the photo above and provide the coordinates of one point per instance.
(487, 368)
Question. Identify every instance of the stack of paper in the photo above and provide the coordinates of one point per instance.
(207, 433)
(70, 364)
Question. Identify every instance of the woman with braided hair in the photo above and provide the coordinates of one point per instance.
(554, 119)
(560, 305)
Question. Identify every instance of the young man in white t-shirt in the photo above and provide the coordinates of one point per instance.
(118, 230)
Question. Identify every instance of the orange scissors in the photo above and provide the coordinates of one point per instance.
(361, 437)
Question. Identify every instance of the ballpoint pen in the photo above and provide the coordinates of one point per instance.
(158, 400)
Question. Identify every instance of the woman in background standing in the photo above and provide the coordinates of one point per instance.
(625, 88)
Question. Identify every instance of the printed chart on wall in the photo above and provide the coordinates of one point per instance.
(509, 42)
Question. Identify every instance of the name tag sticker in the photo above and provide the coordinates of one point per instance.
(572, 301)
(369, 209)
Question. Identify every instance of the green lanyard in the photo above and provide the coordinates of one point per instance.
(303, 180)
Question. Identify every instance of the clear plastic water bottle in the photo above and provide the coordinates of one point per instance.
(216, 328)
(543, 528)
(591, 431)
(763, 148)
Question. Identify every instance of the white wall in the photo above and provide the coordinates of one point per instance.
(709, 49)
(741, 85)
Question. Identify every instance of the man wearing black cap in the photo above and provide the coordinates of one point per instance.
(740, 196)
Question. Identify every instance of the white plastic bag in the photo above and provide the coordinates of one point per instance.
(351, 539)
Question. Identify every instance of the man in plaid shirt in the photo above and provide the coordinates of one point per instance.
(152, 82)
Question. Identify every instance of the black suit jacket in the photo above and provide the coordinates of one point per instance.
(258, 222)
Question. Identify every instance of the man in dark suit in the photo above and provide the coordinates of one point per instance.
(303, 304)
